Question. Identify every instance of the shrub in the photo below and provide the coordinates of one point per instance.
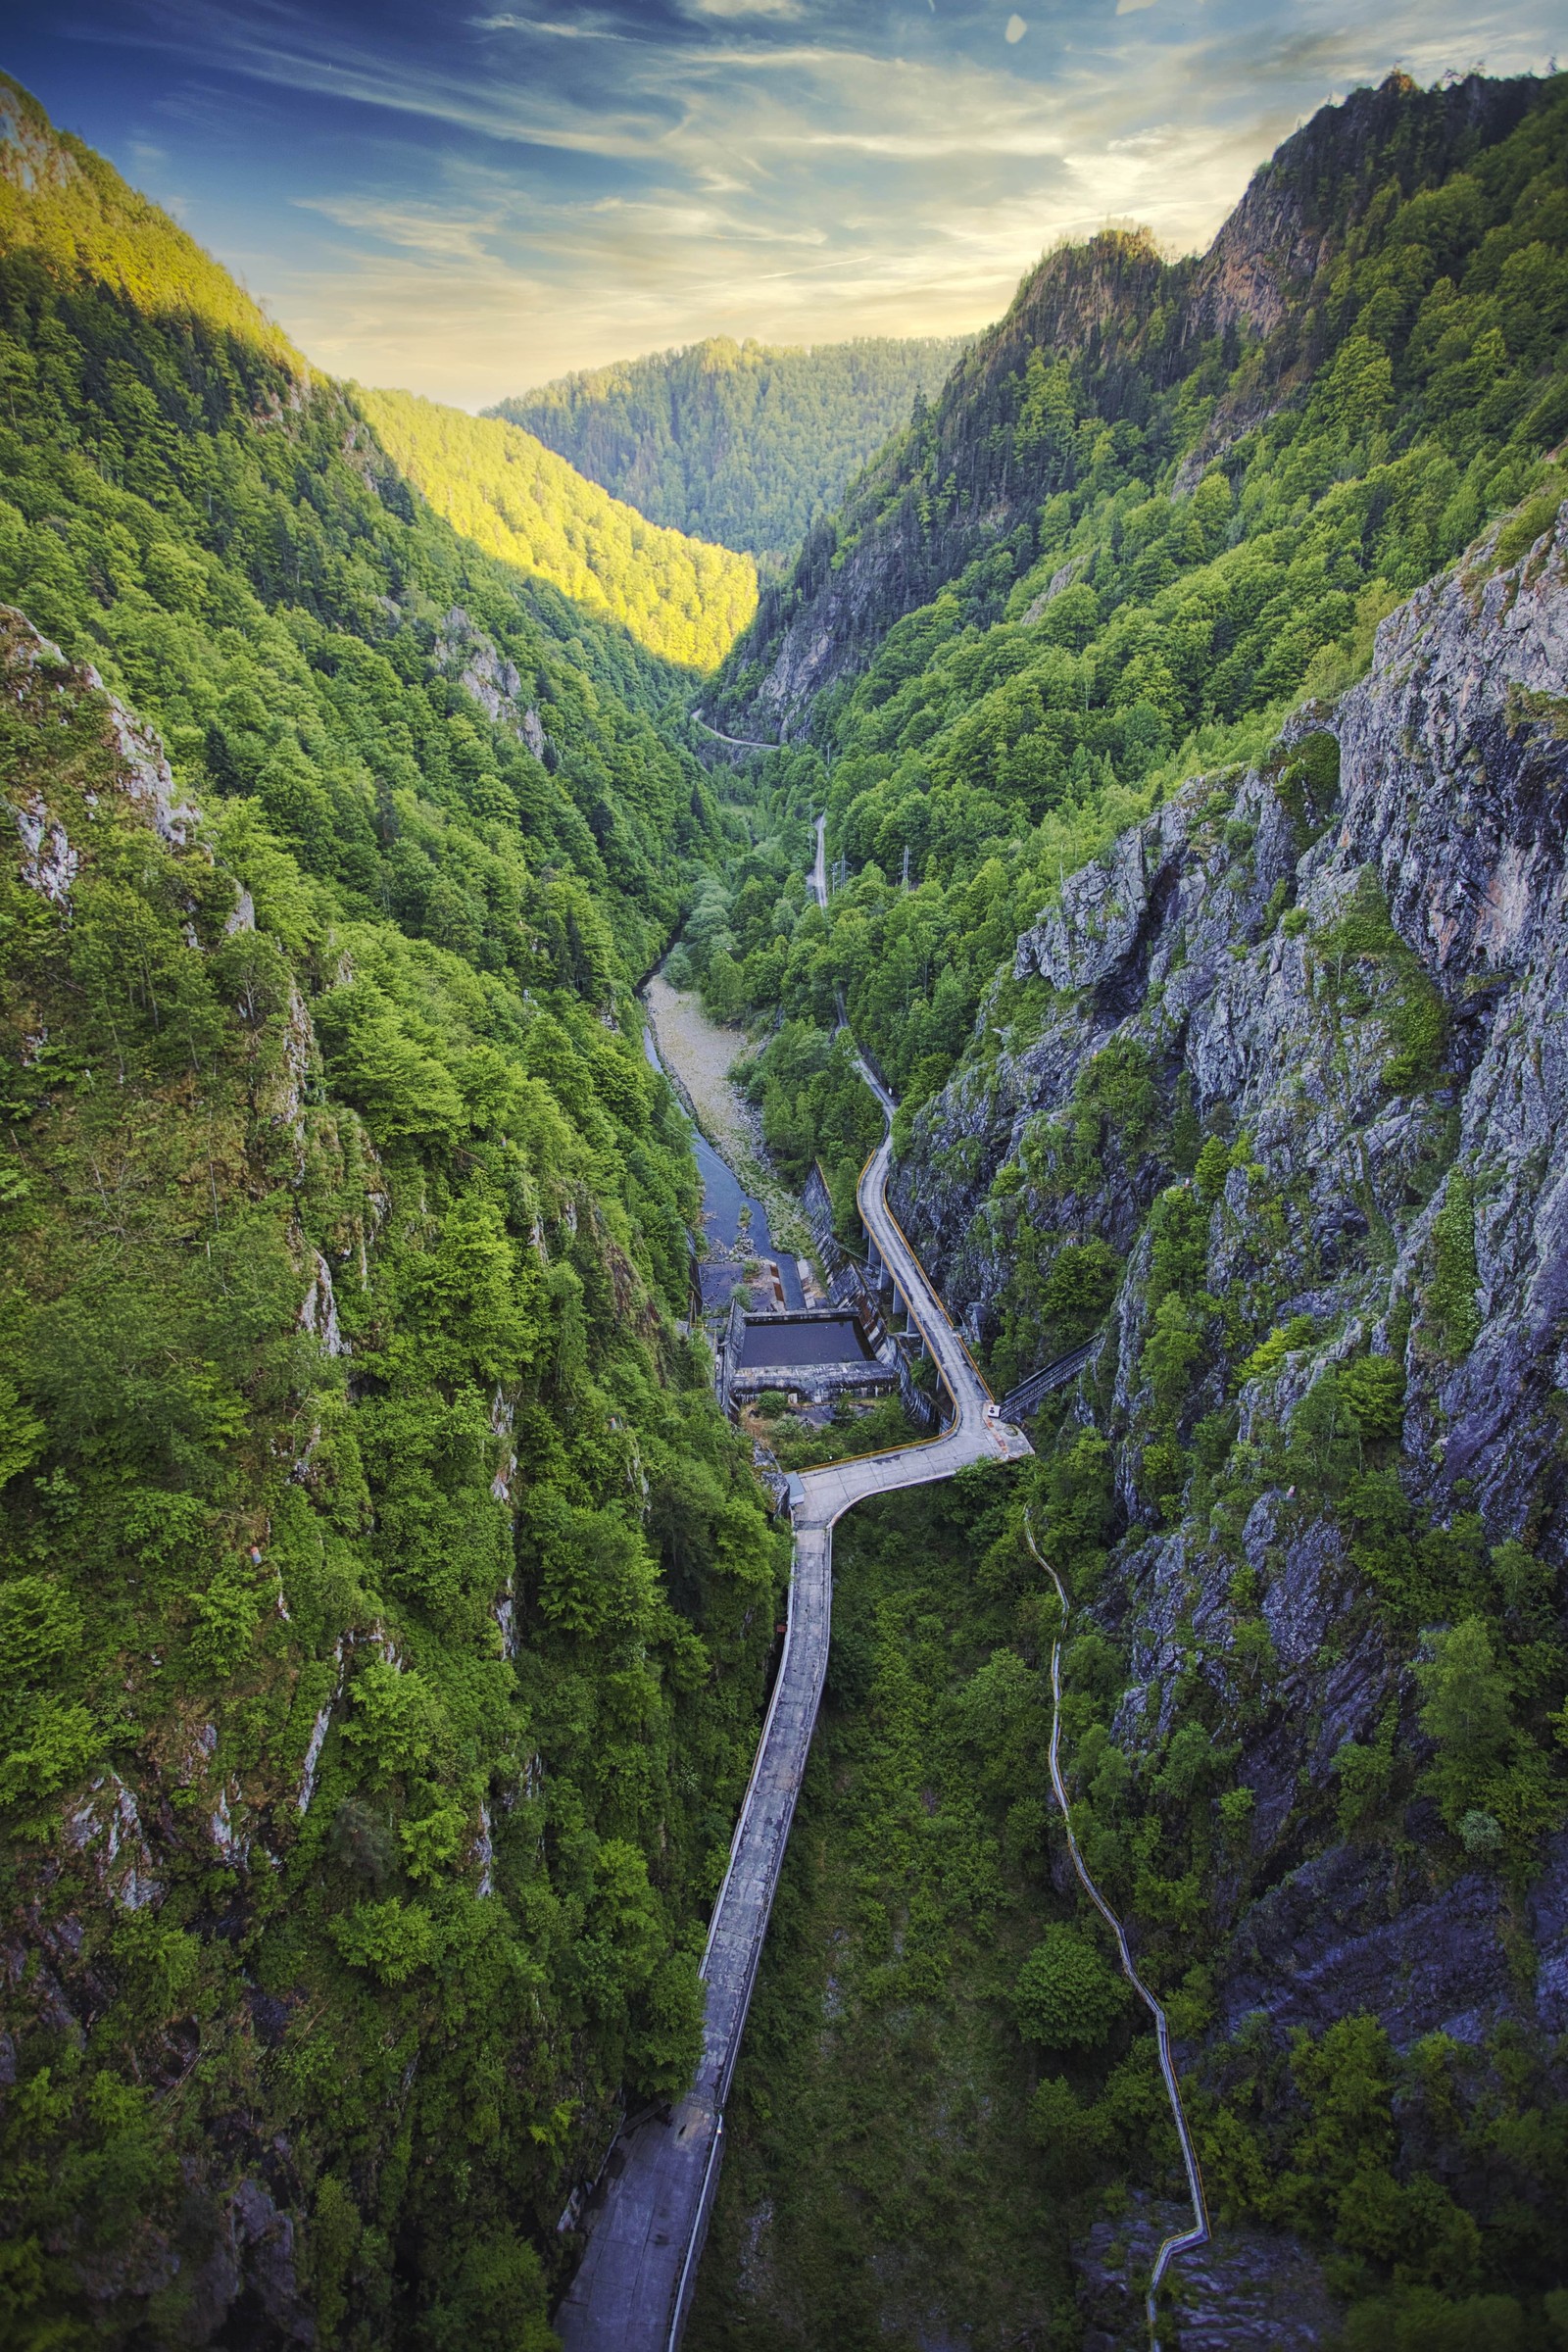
(1467, 1713)
(1373, 1389)
(1067, 1997)
(389, 1939)
(1456, 1278)
(1268, 1357)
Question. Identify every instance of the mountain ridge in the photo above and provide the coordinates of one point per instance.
(1127, 321)
(684, 599)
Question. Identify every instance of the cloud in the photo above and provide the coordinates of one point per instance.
(480, 204)
(1017, 28)
(546, 25)
(1130, 8)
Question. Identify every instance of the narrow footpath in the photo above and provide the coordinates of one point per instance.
(634, 2285)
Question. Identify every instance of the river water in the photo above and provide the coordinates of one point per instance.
(725, 1201)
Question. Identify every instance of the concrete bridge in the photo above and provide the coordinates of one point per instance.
(634, 2285)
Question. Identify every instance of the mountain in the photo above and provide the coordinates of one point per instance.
(1370, 314)
(1186, 697)
(384, 1605)
(1142, 543)
(745, 442)
(507, 493)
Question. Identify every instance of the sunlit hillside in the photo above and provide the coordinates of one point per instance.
(508, 494)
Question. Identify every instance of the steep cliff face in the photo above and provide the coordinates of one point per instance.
(1447, 824)
(1298, 1051)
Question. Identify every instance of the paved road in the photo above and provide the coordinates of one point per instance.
(631, 2291)
(742, 743)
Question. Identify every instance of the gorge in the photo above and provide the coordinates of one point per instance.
(1125, 854)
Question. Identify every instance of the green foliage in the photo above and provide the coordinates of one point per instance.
(743, 443)
(1373, 1389)
(881, 2095)
(384, 1603)
(1373, 970)
(1467, 1713)
(1268, 1357)
(506, 493)
(1451, 1295)
(1422, 2319)
(1065, 1996)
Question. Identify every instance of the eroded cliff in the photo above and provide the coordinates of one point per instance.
(1278, 1091)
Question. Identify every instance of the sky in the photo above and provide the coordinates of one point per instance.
(472, 200)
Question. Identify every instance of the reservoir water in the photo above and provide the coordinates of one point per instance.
(725, 1201)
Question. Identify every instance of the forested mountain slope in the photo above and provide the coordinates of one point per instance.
(1206, 872)
(502, 489)
(1333, 382)
(745, 443)
(1190, 576)
(682, 601)
(384, 1604)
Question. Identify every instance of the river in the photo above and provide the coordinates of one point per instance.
(726, 1202)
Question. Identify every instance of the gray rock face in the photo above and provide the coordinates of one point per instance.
(1449, 823)
(1453, 798)
(1248, 2287)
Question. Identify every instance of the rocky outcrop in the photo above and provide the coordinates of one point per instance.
(1449, 807)
(1274, 243)
(1352, 967)
(1248, 2287)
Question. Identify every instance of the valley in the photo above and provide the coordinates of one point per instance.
(1080, 810)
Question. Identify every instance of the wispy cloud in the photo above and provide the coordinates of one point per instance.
(469, 205)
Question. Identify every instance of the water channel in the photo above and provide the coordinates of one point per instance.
(725, 1201)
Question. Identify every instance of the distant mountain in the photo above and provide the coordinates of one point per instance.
(739, 442)
(500, 488)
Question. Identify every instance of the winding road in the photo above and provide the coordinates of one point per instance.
(634, 2285)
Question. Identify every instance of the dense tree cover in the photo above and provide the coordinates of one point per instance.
(1117, 372)
(944, 2083)
(745, 443)
(999, 734)
(1185, 570)
(505, 492)
(221, 532)
(384, 1603)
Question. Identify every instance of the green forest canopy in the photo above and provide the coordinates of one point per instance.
(741, 442)
(383, 1601)
(505, 491)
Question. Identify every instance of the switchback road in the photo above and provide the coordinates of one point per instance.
(634, 2285)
